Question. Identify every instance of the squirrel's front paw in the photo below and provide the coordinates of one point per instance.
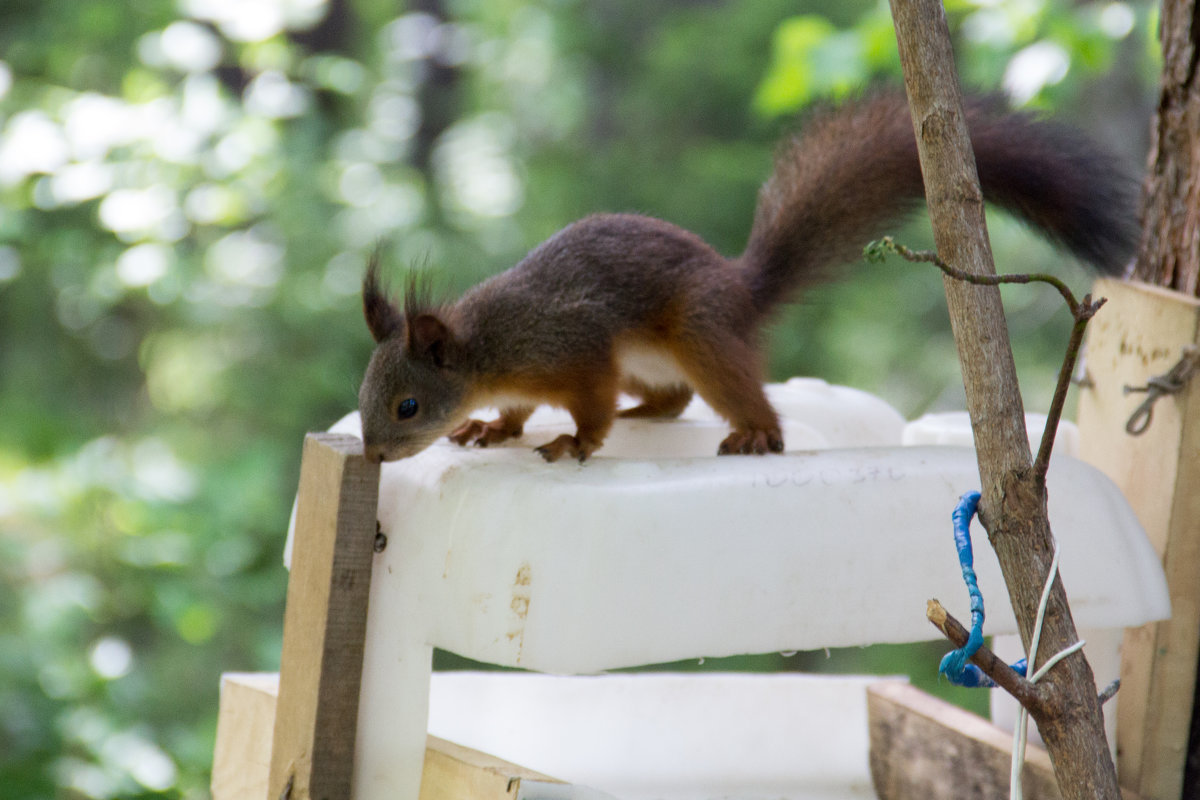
(482, 434)
(749, 441)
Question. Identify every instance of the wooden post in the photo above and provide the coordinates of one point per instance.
(1140, 334)
(312, 752)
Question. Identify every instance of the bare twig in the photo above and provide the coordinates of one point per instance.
(1081, 310)
(874, 252)
(1005, 677)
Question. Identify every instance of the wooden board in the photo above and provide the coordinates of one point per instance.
(923, 748)
(245, 720)
(454, 772)
(325, 622)
(243, 749)
(1138, 334)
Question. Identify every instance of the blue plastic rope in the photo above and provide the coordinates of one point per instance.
(954, 664)
(972, 677)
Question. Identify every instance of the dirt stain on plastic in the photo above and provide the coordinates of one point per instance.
(521, 592)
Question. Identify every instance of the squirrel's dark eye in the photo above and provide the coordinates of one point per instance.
(406, 408)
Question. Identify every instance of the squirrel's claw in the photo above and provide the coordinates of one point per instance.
(563, 445)
(466, 433)
(482, 434)
(749, 441)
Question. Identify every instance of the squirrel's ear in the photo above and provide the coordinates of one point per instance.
(383, 318)
(429, 337)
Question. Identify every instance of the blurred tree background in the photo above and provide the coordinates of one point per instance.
(189, 190)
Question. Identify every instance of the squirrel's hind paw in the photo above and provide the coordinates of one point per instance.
(749, 441)
(565, 445)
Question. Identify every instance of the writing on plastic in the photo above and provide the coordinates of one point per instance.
(827, 476)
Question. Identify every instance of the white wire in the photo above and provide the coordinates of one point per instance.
(1020, 732)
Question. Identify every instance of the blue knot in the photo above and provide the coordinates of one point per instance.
(972, 677)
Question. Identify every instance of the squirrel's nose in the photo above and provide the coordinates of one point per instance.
(373, 453)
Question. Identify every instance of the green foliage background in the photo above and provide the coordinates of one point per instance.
(189, 190)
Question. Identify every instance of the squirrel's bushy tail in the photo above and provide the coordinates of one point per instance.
(854, 170)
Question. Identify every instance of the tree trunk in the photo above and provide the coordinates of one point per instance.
(1014, 502)
(1169, 254)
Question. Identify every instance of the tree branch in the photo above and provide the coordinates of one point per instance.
(1083, 313)
(1006, 678)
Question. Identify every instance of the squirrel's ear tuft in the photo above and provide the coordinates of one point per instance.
(428, 337)
(383, 318)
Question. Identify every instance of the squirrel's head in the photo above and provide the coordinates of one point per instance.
(412, 393)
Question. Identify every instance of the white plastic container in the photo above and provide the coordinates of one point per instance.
(631, 559)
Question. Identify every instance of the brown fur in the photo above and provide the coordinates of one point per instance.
(624, 302)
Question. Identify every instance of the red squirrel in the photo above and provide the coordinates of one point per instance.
(626, 303)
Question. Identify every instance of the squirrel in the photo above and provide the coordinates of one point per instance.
(627, 303)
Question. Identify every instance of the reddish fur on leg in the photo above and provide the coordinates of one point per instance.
(593, 405)
(727, 375)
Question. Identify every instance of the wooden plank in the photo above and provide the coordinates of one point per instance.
(454, 772)
(1138, 334)
(325, 621)
(923, 748)
(242, 754)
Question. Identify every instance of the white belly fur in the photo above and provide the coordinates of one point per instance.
(650, 365)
